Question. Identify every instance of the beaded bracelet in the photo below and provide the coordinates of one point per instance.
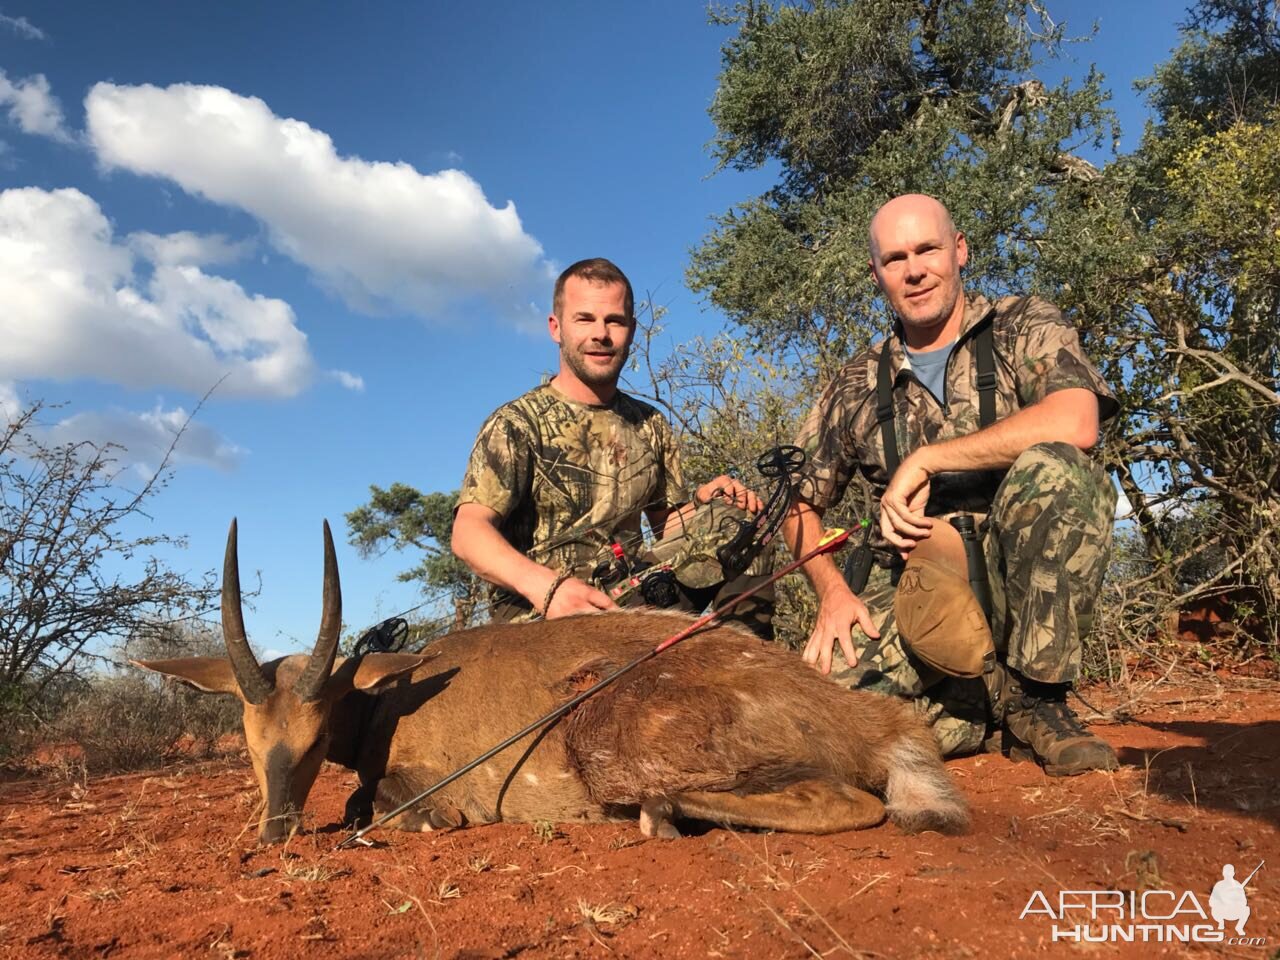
(551, 592)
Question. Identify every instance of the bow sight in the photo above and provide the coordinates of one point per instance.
(718, 542)
(755, 534)
(389, 636)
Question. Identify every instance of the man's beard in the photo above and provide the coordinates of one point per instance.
(942, 314)
(594, 376)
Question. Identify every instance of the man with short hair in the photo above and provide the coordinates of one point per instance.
(564, 471)
(968, 407)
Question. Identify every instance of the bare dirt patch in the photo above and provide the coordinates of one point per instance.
(164, 865)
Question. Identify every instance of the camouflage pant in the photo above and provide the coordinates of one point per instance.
(1046, 542)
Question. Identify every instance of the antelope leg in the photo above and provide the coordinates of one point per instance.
(393, 790)
(807, 806)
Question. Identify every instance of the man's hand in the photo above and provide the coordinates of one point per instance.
(576, 596)
(902, 519)
(729, 490)
(837, 613)
(1064, 416)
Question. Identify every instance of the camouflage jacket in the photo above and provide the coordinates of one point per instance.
(569, 478)
(1037, 351)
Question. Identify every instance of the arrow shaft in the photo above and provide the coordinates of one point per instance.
(826, 545)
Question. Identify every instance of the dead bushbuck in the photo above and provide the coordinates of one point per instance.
(721, 727)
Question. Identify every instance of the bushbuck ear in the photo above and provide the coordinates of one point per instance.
(210, 674)
(373, 672)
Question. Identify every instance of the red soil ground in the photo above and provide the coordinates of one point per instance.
(163, 865)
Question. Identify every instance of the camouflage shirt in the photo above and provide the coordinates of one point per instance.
(568, 478)
(1037, 351)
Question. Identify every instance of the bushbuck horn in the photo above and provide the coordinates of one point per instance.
(307, 686)
(253, 683)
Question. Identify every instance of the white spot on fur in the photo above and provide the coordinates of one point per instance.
(531, 778)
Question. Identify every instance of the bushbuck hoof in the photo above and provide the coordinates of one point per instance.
(656, 820)
(359, 808)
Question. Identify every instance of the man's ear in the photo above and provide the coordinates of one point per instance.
(962, 249)
(553, 327)
(374, 672)
(210, 674)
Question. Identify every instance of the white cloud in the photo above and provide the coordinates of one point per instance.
(71, 307)
(1124, 508)
(348, 380)
(10, 401)
(22, 27)
(32, 107)
(381, 235)
(146, 438)
(192, 249)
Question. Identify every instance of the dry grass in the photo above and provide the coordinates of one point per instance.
(610, 913)
(294, 869)
(99, 894)
(801, 908)
(130, 722)
(545, 831)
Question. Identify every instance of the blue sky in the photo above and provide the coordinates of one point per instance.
(355, 212)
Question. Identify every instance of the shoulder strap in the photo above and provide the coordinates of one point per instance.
(985, 360)
(884, 409)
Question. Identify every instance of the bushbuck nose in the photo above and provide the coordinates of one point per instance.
(282, 817)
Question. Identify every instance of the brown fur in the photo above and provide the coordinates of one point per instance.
(720, 726)
(719, 712)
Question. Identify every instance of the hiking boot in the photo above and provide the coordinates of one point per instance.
(1003, 689)
(1038, 725)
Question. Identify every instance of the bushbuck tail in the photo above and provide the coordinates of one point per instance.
(720, 727)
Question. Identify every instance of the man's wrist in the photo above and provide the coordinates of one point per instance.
(824, 577)
(535, 586)
(924, 459)
(551, 593)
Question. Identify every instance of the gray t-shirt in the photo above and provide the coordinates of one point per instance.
(930, 368)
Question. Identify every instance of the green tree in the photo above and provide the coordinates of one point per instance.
(1206, 314)
(857, 102)
(401, 518)
(1166, 258)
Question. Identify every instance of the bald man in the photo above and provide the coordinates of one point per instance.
(1020, 466)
